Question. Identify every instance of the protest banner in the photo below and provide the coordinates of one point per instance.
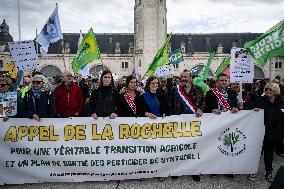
(242, 66)
(84, 149)
(24, 55)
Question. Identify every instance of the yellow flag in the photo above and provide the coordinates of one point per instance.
(12, 69)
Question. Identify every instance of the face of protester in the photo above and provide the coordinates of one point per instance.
(107, 79)
(4, 87)
(176, 81)
(269, 92)
(222, 82)
(68, 78)
(132, 84)
(235, 87)
(37, 83)
(163, 82)
(186, 76)
(154, 86)
(89, 82)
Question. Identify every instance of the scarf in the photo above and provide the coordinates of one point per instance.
(37, 93)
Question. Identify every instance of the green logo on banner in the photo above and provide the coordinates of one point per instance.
(232, 143)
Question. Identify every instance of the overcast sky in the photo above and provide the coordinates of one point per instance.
(116, 16)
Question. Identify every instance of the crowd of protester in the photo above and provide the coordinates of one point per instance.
(68, 96)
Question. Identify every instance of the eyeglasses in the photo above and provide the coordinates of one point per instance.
(2, 85)
(37, 82)
(155, 83)
(268, 89)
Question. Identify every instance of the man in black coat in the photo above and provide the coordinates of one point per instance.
(192, 92)
(216, 105)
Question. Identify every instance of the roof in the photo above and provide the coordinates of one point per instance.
(5, 37)
(193, 42)
(106, 42)
(209, 42)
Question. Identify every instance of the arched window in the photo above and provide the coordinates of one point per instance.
(96, 70)
(50, 71)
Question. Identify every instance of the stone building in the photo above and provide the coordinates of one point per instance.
(122, 52)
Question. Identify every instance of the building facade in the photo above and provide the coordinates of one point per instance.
(122, 52)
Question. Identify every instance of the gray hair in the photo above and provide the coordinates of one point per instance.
(46, 84)
(274, 87)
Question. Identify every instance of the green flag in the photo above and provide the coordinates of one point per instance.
(223, 66)
(203, 75)
(87, 52)
(161, 58)
(268, 45)
(175, 57)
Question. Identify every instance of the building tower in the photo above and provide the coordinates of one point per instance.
(150, 31)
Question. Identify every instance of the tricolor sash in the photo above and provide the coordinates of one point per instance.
(152, 104)
(185, 100)
(220, 97)
(130, 102)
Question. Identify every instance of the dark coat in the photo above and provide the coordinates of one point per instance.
(249, 99)
(143, 107)
(273, 117)
(123, 108)
(44, 107)
(211, 100)
(176, 106)
(103, 101)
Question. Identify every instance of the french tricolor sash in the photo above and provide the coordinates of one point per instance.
(130, 102)
(220, 97)
(152, 104)
(185, 100)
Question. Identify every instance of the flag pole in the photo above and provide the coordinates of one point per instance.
(36, 44)
(63, 54)
(102, 64)
(19, 20)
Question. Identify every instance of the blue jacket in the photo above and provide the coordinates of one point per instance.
(43, 107)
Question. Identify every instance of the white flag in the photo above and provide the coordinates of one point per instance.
(51, 32)
(80, 39)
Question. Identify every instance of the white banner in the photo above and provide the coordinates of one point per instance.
(84, 149)
(24, 55)
(242, 67)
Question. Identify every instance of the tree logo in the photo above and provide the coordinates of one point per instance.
(232, 143)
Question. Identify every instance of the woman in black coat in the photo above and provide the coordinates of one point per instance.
(103, 99)
(272, 104)
(152, 104)
(39, 101)
(127, 98)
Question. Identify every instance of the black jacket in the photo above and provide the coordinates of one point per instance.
(103, 101)
(143, 107)
(211, 100)
(176, 106)
(273, 117)
(44, 107)
(123, 109)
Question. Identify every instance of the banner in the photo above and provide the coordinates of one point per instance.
(87, 52)
(224, 64)
(268, 45)
(175, 57)
(8, 104)
(160, 59)
(51, 31)
(24, 55)
(242, 66)
(84, 149)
